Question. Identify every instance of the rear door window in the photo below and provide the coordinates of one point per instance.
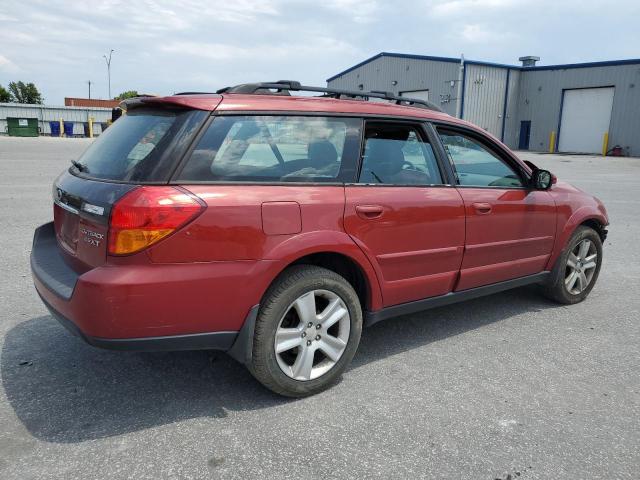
(141, 146)
(275, 148)
(396, 154)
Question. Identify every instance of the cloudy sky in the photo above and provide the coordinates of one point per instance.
(164, 46)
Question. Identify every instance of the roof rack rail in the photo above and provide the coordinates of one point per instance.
(284, 87)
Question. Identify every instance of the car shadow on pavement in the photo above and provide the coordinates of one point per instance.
(404, 333)
(64, 391)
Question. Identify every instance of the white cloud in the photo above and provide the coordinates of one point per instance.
(277, 51)
(361, 11)
(13, 36)
(213, 51)
(444, 8)
(7, 65)
(159, 14)
(475, 33)
(317, 46)
(7, 18)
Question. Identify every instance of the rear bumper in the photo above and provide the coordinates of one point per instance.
(48, 265)
(144, 306)
(196, 341)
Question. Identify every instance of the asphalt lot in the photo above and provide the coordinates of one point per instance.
(505, 385)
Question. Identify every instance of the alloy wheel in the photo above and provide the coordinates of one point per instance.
(312, 335)
(581, 266)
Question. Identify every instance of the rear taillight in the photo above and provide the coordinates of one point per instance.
(148, 214)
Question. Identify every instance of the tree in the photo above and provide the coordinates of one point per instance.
(25, 93)
(127, 94)
(5, 96)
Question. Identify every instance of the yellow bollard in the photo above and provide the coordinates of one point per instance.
(605, 144)
(61, 128)
(90, 127)
(552, 142)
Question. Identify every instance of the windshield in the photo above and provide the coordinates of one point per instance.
(141, 146)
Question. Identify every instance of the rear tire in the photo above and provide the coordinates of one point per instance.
(576, 270)
(307, 331)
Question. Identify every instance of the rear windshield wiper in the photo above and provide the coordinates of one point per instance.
(80, 166)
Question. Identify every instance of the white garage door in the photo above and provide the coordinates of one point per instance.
(586, 114)
(417, 94)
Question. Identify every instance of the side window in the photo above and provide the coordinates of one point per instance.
(476, 165)
(396, 154)
(274, 148)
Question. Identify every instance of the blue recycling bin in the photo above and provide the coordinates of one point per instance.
(55, 129)
(68, 129)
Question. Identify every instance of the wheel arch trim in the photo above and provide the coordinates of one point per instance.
(289, 253)
(338, 243)
(580, 217)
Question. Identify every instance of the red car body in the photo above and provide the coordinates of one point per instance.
(405, 246)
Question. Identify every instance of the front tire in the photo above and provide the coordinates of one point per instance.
(307, 331)
(577, 269)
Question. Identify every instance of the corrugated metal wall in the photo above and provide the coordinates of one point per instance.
(511, 127)
(46, 114)
(484, 97)
(440, 78)
(541, 95)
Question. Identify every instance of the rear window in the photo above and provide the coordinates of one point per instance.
(141, 146)
(275, 148)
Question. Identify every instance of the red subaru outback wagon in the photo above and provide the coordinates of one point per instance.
(274, 226)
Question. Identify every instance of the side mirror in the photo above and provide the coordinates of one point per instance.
(542, 179)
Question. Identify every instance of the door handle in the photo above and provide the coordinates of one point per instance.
(369, 212)
(482, 208)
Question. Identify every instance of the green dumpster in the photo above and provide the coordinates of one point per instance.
(22, 127)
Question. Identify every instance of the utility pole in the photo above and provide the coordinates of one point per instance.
(108, 60)
(89, 82)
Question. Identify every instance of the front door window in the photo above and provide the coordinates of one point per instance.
(475, 165)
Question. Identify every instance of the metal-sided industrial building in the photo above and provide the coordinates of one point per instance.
(581, 108)
(44, 115)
